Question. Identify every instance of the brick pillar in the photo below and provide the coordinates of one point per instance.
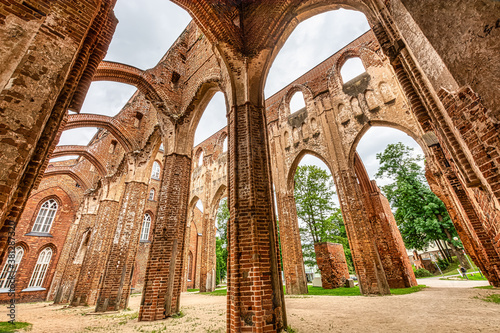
(255, 291)
(114, 290)
(291, 248)
(390, 245)
(331, 262)
(73, 265)
(94, 263)
(367, 261)
(392, 250)
(163, 280)
(207, 268)
(198, 261)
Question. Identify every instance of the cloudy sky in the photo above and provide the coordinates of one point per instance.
(147, 29)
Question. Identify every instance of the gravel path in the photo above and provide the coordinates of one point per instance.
(434, 309)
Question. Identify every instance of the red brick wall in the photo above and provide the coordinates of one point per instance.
(51, 188)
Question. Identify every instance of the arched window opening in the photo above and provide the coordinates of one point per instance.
(155, 172)
(190, 266)
(200, 159)
(41, 268)
(9, 270)
(146, 224)
(297, 102)
(45, 216)
(162, 148)
(224, 145)
(311, 42)
(152, 194)
(212, 120)
(351, 69)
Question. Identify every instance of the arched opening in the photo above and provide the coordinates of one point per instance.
(143, 43)
(212, 120)
(322, 232)
(351, 69)
(155, 171)
(311, 42)
(224, 145)
(421, 219)
(297, 102)
(221, 250)
(194, 235)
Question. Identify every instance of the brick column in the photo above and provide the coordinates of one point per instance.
(331, 262)
(392, 250)
(207, 269)
(163, 280)
(72, 266)
(114, 290)
(291, 247)
(94, 263)
(367, 261)
(255, 292)
(390, 245)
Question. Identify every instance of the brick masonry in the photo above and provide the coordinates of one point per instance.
(413, 82)
(332, 264)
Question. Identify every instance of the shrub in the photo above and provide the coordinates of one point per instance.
(422, 272)
(443, 264)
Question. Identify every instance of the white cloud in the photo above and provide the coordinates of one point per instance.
(212, 120)
(313, 41)
(77, 136)
(374, 141)
(145, 31)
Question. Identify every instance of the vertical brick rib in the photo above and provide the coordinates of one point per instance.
(254, 285)
(115, 288)
(163, 284)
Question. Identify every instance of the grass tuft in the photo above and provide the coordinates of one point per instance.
(405, 291)
(7, 327)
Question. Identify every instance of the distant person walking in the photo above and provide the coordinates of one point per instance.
(463, 271)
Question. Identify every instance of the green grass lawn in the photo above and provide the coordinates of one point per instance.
(6, 327)
(475, 277)
(318, 291)
(485, 287)
(404, 291)
(192, 290)
(217, 292)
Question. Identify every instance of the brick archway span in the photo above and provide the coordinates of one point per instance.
(64, 170)
(367, 56)
(100, 121)
(198, 104)
(219, 194)
(81, 151)
(122, 73)
(293, 167)
(381, 123)
(285, 101)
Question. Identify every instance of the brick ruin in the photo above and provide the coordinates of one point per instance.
(433, 79)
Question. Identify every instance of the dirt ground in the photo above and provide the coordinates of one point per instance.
(438, 308)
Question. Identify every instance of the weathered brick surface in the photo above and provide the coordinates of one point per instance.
(414, 82)
(390, 245)
(163, 283)
(94, 263)
(332, 264)
(67, 196)
(115, 288)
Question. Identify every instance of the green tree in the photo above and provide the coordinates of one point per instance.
(221, 241)
(421, 217)
(322, 221)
